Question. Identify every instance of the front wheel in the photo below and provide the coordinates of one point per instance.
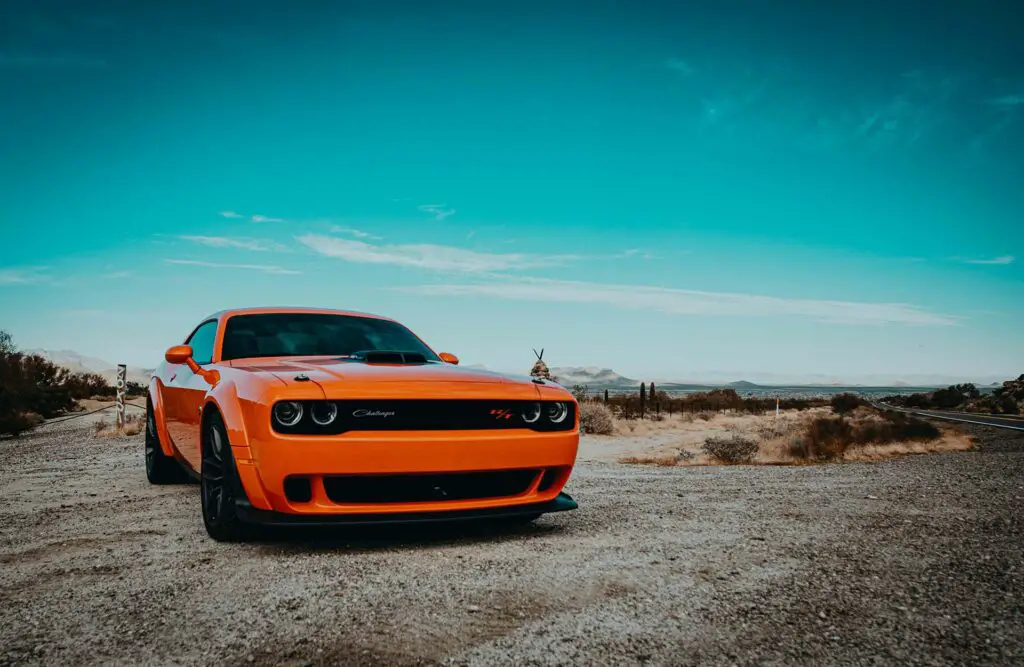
(220, 486)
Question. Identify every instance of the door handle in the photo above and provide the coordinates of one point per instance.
(173, 375)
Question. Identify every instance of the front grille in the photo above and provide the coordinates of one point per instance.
(415, 488)
(428, 415)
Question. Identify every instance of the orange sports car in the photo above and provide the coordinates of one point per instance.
(306, 416)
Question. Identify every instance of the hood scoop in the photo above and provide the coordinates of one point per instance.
(389, 357)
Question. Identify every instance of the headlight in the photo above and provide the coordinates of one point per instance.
(557, 412)
(288, 413)
(531, 413)
(324, 413)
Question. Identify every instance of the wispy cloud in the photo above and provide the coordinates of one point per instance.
(234, 215)
(263, 268)
(1007, 101)
(33, 61)
(428, 256)
(691, 302)
(439, 211)
(357, 233)
(255, 245)
(1005, 259)
(680, 66)
(22, 276)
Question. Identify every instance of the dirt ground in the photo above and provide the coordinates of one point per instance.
(914, 560)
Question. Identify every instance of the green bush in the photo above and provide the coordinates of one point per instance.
(596, 418)
(846, 403)
(32, 388)
(735, 449)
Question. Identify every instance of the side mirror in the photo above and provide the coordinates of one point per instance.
(181, 354)
(449, 358)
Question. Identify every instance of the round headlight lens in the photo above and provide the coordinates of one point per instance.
(531, 413)
(288, 413)
(557, 412)
(324, 413)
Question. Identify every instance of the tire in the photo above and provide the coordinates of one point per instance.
(160, 468)
(219, 484)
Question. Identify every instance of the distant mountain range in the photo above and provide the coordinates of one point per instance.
(592, 376)
(79, 363)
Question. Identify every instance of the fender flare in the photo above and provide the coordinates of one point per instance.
(157, 401)
(224, 400)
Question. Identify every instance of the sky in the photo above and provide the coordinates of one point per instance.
(786, 190)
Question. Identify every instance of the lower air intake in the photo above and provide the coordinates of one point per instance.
(356, 489)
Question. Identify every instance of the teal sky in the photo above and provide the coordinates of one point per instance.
(705, 190)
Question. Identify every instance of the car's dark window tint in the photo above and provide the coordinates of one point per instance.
(315, 334)
(202, 343)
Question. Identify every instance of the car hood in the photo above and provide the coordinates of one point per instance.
(339, 377)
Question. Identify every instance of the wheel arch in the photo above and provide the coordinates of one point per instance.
(156, 401)
(224, 402)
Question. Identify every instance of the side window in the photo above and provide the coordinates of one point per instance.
(201, 341)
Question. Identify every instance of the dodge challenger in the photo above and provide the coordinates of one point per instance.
(305, 416)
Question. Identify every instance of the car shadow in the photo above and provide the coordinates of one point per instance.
(361, 539)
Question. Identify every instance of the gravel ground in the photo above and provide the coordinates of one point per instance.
(910, 561)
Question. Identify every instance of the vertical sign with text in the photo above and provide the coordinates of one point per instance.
(122, 375)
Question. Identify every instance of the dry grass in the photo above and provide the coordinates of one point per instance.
(681, 440)
(133, 425)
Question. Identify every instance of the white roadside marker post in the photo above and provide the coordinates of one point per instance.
(776, 407)
(122, 373)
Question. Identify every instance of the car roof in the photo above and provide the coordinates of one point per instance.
(266, 310)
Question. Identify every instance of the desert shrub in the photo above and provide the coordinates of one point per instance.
(133, 389)
(705, 415)
(133, 425)
(657, 417)
(798, 447)
(827, 437)
(684, 455)
(734, 449)
(906, 427)
(596, 418)
(579, 392)
(32, 388)
(846, 403)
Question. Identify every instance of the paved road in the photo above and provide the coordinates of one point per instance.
(1011, 422)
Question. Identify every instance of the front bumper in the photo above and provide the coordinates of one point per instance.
(561, 503)
(275, 459)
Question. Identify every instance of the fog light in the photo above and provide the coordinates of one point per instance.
(324, 413)
(531, 413)
(288, 413)
(557, 412)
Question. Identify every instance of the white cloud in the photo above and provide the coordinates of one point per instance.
(231, 215)
(264, 218)
(241, 244)
(358, 233)
(275, 270)
(21, 276)
(437, 210)
(427, 256)
(1005, 259)
(691, 302)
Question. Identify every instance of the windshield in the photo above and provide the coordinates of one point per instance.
(315, 334)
